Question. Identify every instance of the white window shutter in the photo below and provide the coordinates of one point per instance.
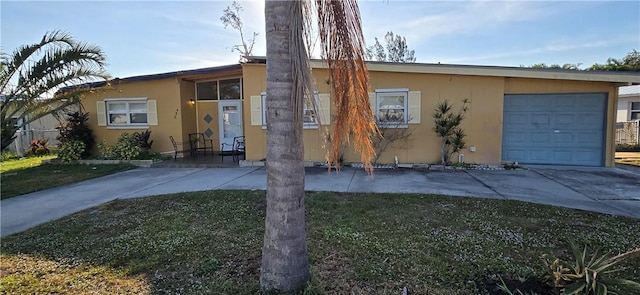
(372, 103)
(324, 109)
(414, 107)
(101, 113)
(256, 110)
(152, 113)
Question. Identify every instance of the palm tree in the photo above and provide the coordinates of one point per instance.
(285, 266)
(32, 73)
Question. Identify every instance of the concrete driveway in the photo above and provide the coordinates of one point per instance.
(605, 190)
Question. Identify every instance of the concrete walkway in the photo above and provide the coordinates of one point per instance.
(605, 190)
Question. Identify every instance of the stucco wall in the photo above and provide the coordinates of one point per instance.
(483, 123)
(166, 92)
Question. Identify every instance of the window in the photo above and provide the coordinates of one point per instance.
(207, 90)
(309, 119)
(634, 111)
(126, 113)
(392, 106)
(222, 89)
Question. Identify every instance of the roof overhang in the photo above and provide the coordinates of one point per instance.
(622, 78)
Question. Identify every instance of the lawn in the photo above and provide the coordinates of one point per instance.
(22, 176)
(210, 243)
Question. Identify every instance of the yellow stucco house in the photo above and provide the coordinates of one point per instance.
(534, 116)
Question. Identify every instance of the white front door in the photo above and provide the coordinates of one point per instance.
(230, 116)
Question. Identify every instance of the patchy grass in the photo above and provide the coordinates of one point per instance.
(633, 162)
(210, 243)
(24, 176)
(23, 163)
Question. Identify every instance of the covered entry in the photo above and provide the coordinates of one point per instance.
(561, 129)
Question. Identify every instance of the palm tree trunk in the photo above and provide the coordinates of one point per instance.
(285, 266)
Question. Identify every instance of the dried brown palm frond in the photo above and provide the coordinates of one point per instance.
(342, 45)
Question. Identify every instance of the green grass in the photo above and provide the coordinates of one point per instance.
(210, 243)
(22, 176)
(22, 163)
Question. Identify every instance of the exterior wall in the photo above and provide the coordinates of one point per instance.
(539, 86)
(483, 122)
(624, 104)
(170, 108)
(188, 113)
(254, 76)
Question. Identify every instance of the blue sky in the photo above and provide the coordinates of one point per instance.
(146, 37)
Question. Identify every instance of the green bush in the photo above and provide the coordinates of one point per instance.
(624, 147)
(76, 129)
(71, 151)
(8, 155)
(127, 148)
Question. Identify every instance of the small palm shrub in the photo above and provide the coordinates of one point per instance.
(447, 127)
(590, 274)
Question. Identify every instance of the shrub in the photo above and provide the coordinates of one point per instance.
(590, 273)
(624, 147)
(8, 155)
(39, 147)
(127, 148)
(447, 127)
(143, 139)
(76, 129)
(71, 151)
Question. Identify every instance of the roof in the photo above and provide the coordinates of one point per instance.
(626, 78)
(492, 71)
(189, 73)
(629, 91)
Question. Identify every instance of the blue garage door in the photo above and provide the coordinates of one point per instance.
(561, 129)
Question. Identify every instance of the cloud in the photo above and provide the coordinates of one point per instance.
(554, 47)
(429, 19)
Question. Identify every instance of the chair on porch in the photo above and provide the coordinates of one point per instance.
(199, 143)
(178, 147)
(235, 149)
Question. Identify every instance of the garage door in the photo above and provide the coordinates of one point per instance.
(562, 129)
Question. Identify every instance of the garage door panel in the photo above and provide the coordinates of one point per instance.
(540, 137)
(562, 139)
(563, 129)
(564, 157)
(541, 120)
(563, 119)
(518, 119)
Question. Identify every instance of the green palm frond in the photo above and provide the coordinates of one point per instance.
(31, 75)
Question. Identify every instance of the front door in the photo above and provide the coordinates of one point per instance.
(230, 116)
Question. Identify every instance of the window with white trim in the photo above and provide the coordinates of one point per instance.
(634, 111)
(392, 106)
(126, 112)
(309, 119)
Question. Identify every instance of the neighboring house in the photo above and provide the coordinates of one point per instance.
(628, 116)
(45, 127)
(536, 116)
(628, 103)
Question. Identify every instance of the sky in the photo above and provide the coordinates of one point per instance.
(148, 37)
